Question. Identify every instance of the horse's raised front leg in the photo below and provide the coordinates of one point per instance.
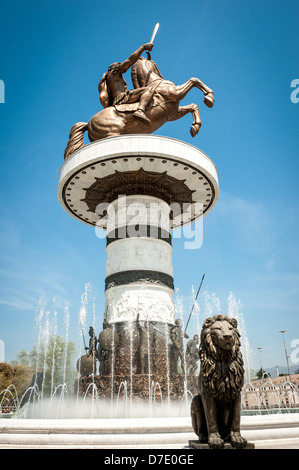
(190, 108)
(182, 90)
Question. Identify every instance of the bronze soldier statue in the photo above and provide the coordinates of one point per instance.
(92, 349)
(104, 355)
(113, 88)
(145, 344)
(192, 356)
(142, 110)
(177, 336)
(87, 364)
(108, 341)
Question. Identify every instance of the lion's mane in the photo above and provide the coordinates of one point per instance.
(222, 372)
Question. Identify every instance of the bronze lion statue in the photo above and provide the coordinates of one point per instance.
(215, 411)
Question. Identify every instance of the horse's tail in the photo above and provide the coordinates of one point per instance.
(76, 139)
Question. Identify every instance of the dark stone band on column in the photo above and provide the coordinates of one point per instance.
(140, 231)
(139, 276)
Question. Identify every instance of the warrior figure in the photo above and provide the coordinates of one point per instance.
(177, 336)
(108, 342)
(92, 349)
(104, 355)
(192, 356)
(113, 88)
(144, 346)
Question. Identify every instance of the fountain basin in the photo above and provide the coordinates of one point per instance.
(272, 431)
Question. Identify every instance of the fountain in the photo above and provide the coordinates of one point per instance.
(38, 413)
(137, 188)
(270, 398)
(131, 186)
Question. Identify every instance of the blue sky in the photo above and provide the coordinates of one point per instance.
(52, 56)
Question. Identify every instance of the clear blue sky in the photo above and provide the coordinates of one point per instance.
(52, 56)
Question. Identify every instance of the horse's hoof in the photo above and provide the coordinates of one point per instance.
(194, 129)
(141, 116)
(209, 100)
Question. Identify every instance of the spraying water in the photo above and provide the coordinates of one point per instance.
(196, 311)
(67, 323)
(235, 311)
(54, 349)
(212, 304)
(64, 404)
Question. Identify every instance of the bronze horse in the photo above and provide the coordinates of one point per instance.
(165, 106)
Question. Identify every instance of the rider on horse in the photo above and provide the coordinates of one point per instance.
(113, 88)
(124, 110)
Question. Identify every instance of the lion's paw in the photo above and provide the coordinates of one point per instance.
(215, 441)
(203, 438)
(237, 440)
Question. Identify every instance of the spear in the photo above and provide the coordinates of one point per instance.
(83, 339)
(194, 302)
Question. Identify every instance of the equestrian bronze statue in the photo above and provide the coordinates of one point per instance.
(151, 103)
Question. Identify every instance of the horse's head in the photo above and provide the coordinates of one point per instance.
(143, 72)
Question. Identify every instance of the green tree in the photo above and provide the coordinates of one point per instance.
(54, 358)
(13, 374)
(262, 373)
(23, 359)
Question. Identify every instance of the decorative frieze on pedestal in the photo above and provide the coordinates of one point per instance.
(154, 303)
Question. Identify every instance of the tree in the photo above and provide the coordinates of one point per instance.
(53, 359)
(23, 359)
(19, 376)
(262, 373)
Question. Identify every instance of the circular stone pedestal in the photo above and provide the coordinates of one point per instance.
(138, 188)
(190, 176)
